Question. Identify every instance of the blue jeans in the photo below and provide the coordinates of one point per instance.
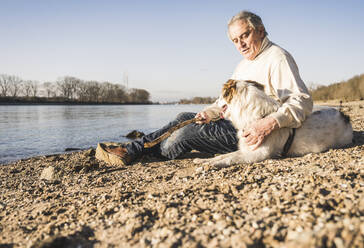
(215, 137)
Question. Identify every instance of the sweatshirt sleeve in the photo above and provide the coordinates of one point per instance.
(291, 90)
(213, 110)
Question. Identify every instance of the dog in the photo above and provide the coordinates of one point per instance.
(246, 103)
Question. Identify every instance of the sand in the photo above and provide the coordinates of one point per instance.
(73, 200)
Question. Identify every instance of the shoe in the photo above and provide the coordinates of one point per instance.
(116, 155)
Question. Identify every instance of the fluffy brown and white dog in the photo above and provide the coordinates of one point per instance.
(246, 102)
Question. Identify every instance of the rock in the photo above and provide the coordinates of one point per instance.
(339, 243)
(134, 134)
(171, 213)
(89, 153)
(2, 206)
(70, 149)
(362, 229)
(241, 240)
(48, 174)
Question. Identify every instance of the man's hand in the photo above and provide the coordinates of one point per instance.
(203, 118)
(255, 134)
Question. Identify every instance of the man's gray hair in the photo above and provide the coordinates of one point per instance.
(253, 20)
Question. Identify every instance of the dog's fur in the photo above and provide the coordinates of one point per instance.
(246, 103)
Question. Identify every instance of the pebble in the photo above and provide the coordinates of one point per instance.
(48, 174)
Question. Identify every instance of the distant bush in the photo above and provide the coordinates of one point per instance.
(198, 100)
(350, 90)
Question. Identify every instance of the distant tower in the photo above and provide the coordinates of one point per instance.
(126, 80)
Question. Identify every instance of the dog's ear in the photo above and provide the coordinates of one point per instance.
(256, 84)
(228, 90)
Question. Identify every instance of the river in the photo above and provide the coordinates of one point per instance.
(34, 130)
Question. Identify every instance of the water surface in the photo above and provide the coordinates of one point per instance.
(34, 130)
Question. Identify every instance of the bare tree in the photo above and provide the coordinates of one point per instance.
(83, 92)
(74, 84)
(107, 92)
(139, 96)
(64, 87)
(4, 84)
(94, 90)
(68, 87)
(15, 85)
(121, 94)
(49, 88)
(34, 87)
(72, 88)
(27, 88)
(112, 93)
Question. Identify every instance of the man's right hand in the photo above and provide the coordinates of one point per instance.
(202, 118)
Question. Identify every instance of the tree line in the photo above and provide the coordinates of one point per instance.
(350, 90)
(198, 100)
(69, 89)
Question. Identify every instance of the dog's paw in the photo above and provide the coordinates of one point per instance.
(220, 164)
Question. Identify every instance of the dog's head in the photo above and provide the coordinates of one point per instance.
(232, 87)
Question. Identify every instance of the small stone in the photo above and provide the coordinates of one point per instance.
(240, 240)
(100, 180)
(362, 229)
(171, 213)
(238, 222)
(339, 243)
(71, 149)
(89, 153)
(221, 225)
(216, 216)
(135, 134)
(199, 170)
(225, 188)
(48, 174)
(207, 167)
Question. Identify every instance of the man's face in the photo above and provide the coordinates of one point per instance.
(246, 39)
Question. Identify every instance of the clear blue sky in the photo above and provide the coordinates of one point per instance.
(173, 49)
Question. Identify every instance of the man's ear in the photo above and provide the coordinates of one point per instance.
(261, 31)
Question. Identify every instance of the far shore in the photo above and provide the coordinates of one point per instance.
(72, 103)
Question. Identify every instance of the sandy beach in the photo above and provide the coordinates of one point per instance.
(74, 200)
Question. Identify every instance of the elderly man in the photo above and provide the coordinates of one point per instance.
(263, 62)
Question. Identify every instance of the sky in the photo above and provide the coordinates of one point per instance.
(173, 49)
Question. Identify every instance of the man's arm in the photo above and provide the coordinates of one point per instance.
(296, 100)
(296, 103)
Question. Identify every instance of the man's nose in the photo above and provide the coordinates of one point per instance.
(242, 43)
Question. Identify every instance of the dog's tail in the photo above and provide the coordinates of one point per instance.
(349, 129)
(345, 117)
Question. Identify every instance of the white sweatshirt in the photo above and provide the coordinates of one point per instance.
(276, 69)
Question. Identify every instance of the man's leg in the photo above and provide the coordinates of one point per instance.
(215, 137)
(136, 147)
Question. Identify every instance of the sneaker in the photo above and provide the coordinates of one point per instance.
(116, 155)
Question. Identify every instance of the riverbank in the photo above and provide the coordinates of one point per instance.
(72, 199)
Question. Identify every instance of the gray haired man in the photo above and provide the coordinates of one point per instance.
(263, 62)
